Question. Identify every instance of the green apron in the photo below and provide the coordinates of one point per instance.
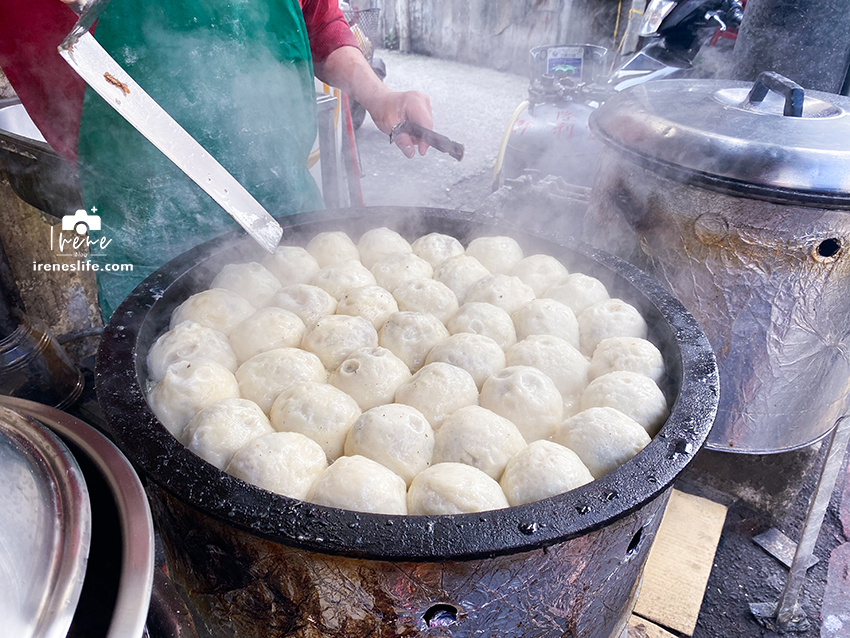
(238, 76)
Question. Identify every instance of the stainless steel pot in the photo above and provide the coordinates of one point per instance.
(736, 197)
(77, 546)
(254, 563)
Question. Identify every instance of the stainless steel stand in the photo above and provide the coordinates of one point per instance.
(330, 159)
(787, 611)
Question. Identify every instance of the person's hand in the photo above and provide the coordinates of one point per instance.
(347, 69)
(392, 107)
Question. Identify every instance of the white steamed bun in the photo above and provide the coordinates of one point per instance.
(250, 280)
(361, 485)
(266, 329)
(186, 388)
(526, 397)
(189, 341)
(284, 462)
(396, 436)
(215, 308)
(603, 438)
(218, 431)
(478, 437)
(541, 470)
(319, 411)
(264, 376)
(332, 248)
(453, 488)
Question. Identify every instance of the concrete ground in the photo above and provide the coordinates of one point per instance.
(472, 106)
(744, 573)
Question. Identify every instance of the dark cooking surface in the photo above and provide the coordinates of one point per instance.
(121, 377)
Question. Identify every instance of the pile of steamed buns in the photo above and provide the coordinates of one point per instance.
(396, 378)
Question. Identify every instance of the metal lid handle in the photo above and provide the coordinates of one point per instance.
(771, 81)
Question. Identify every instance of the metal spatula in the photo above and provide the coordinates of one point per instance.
(111, 82)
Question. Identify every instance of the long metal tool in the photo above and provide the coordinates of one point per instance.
(434, 140)
(111, 82)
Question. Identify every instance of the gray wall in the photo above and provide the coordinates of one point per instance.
(498, 33)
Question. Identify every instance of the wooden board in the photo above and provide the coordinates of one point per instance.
(640, 628)
(680, 562)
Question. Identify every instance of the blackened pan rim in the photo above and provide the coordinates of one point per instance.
(404, 538)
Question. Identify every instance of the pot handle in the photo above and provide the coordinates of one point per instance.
(772, 81)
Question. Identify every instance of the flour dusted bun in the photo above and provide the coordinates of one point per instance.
(503, 291)
(333, 338)
(378, 243)
(264, 376)
(546, 317)
(560, 361)
(284, 462)
(373, 303)
(216, 308)
(540, 272)
(484, 319)
(250, 280)
(627, 353)
(426, 295)
(577, 291)
(319, 411)
(541, 470)
(526, 397)
(480, 356)
(332, 248)
(337, 279)
(267, 329)
(396, 436)
(631, 393)
(189, 341)
(453, 488)
(478, 437)
(459, 273)
(291, 265)
(186, 388)
(411, 335)
(361, 485)
(603, 438)
(609, 318)
(370, 376)
(218, 431)
(435, 248)
(393, 270)
(437, 390)
(310, 303)
(497, 254)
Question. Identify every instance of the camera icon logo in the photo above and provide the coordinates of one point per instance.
(81, 222)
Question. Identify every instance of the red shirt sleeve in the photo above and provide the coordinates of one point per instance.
(326, 27)
(50, 91)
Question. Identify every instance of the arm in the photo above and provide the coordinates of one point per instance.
(338, 61)
(347, 69)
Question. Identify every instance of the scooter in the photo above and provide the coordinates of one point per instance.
(549, 133)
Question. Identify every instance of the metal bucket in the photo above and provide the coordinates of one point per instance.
(742, 212)
(254, 563)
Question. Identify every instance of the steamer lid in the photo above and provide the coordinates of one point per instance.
(770, 139)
